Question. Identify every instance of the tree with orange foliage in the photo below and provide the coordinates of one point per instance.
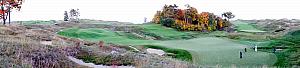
(7, 6)
(194, 13)
(156, 18)
(204, 19)
(220, 23)
(180, 14)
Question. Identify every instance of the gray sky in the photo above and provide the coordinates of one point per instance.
(135, 10)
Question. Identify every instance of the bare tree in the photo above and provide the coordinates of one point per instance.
(228, 15)
(74, 15)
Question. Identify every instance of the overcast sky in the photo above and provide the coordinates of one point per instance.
(135, 10)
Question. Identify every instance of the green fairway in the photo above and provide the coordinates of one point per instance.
(164, 32)
(38, 22)
(245, 27)
(217, 51)
(94, 34)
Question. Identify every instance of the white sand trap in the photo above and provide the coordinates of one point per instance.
(46, 42)
(135, 48)
(80, 62)
(155, 51)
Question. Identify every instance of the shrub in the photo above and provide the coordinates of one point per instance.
(105, 59)
(168, 22)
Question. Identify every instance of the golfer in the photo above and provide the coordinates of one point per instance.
(255, 48)
(241, 54)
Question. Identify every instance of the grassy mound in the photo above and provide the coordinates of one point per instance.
(94, 34)
(163, 32)
(38, 22)
(246, 27)
(107, 59)
(178, 53)
(153, 30)
(22, 52)
(291, 55)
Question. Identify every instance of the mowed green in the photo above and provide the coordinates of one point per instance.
(245, 27)
(213, 51)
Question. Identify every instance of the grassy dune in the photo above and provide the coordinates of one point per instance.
(245, 27)
(164, 32)
(290, 56)
(94, 34)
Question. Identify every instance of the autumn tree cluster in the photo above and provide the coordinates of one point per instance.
(189, 19)
(7, 6)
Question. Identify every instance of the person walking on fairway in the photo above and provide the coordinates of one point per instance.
(241, 54)
(255, 48)
(245, 49)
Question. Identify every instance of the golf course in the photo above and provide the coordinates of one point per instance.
(206, 50)
(149, 34)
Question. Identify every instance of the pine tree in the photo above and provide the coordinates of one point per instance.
(66, 17)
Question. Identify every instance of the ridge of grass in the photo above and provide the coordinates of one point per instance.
(95, 35)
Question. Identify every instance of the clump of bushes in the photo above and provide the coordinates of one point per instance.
(111, 59)
(22, 52)
(168, 22)
(189, 19)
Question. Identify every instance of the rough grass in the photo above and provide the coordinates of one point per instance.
(107, 59)
(139, 60)
(290, 56)
(178, 53)
(21, 52)
(21, 48)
